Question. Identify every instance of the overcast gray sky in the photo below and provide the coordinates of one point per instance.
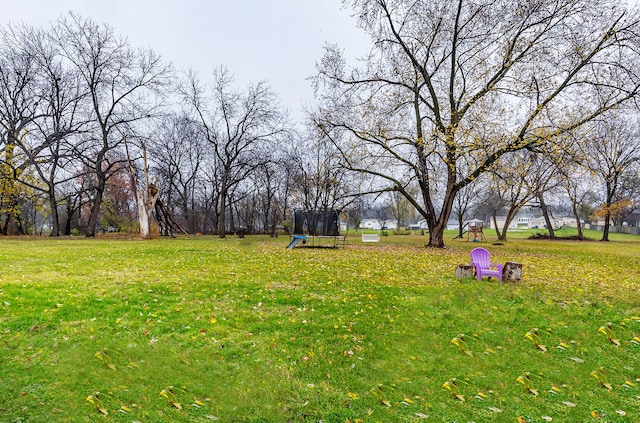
(276, 40)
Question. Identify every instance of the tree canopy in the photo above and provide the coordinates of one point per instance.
(451, 89)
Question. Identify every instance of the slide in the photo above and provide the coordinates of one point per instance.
(295, 241)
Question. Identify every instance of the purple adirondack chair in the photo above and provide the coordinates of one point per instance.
(481, 261)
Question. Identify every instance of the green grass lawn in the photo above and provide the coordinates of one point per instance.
(242, 330)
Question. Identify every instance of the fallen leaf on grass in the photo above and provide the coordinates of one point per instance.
(606, 385)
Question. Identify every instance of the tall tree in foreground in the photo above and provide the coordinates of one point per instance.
(240, 127)
(450, 87)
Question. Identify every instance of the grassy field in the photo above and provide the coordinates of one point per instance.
(242, 330)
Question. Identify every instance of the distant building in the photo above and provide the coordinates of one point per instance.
(379, 225)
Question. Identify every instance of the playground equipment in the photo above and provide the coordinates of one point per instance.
(316, 228)
(475, 232)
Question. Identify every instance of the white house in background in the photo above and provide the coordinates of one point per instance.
(373, 224)
(558, 222)
(378, 225)
(527, 221)
(521, 221)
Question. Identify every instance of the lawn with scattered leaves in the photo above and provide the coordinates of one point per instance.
(237, 330)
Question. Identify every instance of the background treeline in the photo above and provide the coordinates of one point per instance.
(83, 115)
(96, 133)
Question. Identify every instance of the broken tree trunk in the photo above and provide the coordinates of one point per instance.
(512, 272)
(464, 271)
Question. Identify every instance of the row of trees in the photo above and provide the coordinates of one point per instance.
(95, 132)
(458, 105)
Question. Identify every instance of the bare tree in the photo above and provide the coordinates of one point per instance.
(59, 97)
(239, 128)
(319, 181)
(452, 86)
(19, 108)
(123, 86)
(178, 152)
(611, 148)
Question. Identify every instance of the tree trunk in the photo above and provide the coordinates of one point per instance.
(92, 224)
(464, 271)
(508, 219)
(436, 235)
(222, 224)
(607, 224)
(547, 218)
(55, 219)
(495, 225)
(578, 223)
(512, 272)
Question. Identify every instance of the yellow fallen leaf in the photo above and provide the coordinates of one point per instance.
(176, 405)
(459, 397)
(103, 411)
(386, 403)
(595, 414)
